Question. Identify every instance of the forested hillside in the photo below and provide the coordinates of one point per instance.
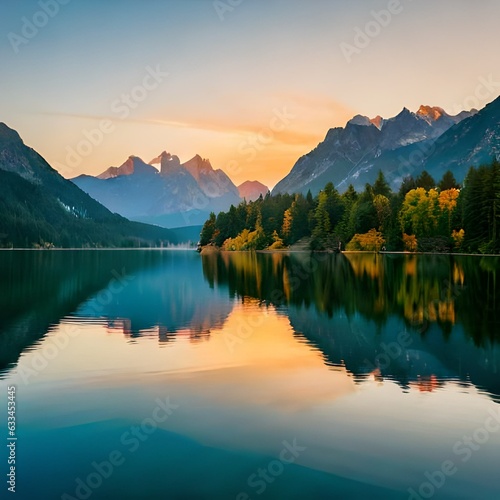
(32, 218)
(39, 208)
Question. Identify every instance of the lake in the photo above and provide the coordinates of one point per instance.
(170, 375)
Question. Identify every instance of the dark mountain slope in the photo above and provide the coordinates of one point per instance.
(37, 206)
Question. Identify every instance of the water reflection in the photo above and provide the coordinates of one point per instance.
(236, 405)
(437, 289)
(419, 320)
(377, 365)
(168, 298)
(133, 292)
(37, 289)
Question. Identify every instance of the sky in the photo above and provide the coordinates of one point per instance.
(251, 85)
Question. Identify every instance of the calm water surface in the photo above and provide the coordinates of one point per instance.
(168, 375)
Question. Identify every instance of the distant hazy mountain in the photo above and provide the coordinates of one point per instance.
(251, 190)
(163, 192)
(214, 183)
(136, 188)
(355, 153)
(132, 166)
(38, 205)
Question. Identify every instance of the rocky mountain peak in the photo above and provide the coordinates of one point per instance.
(132, 165)
(8, 135)
(378, 121)
(360, 120)
(198, 166)
(157, 160)
(169, 163)
(432, 113)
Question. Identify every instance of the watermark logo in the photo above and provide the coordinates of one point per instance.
(224, 7)
(31, 27)
(463, 448)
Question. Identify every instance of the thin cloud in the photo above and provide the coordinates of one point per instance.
(320, 103)
(223, 126)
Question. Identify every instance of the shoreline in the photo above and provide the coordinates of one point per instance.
(107, 249)
(213, 250)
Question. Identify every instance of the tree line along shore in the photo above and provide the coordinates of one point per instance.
(423, 216)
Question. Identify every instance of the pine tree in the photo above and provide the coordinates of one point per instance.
(322, 226)
(480, 208)
(448, 181)
(381, 186)
(207, 232)
(407, 185)
(425, 180)
(309, 198)
(333, 205)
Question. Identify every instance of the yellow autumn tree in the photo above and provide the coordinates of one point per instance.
(383, 208)
(447, 203)
(372, 241)
(420, 212)
(277, 242)
(286, 229)
(458, 237)
(410, 242)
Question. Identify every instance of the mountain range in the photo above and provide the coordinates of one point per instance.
(165, 191)
(169, 193)
(429, 139)
(39, 207)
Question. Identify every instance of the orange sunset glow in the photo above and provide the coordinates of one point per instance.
(212, 83)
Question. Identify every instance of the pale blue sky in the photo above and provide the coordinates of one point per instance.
(226, 79)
